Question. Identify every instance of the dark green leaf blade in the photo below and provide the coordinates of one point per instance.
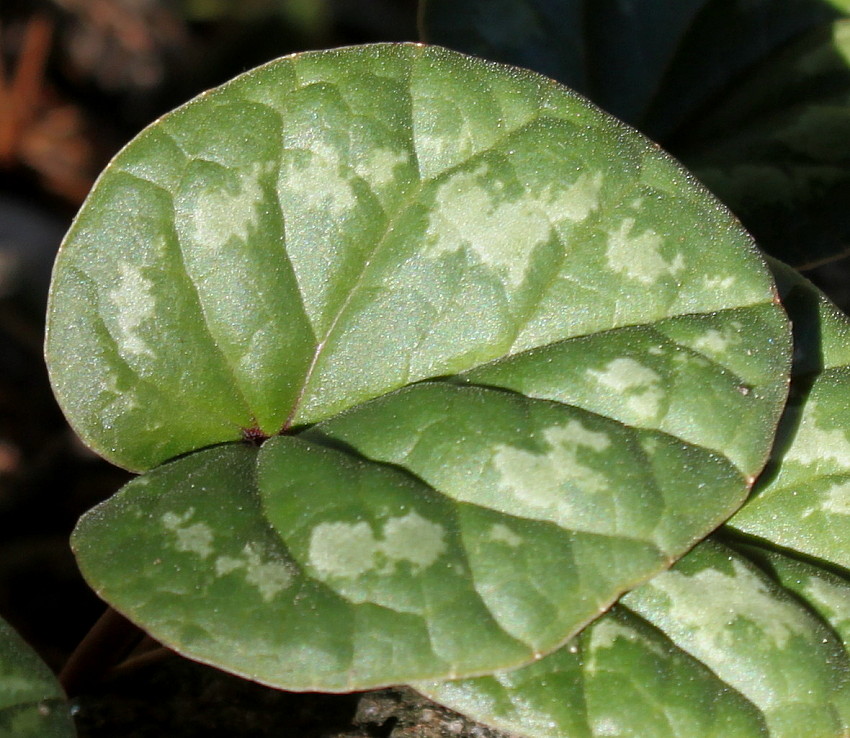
(32, 704)
(333, 596)
(620, 676)
(721, 609)
(465, 529)
(826, 592)
(207, 576)
(394, 543)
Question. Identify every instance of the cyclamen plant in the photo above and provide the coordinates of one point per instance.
(435, 374)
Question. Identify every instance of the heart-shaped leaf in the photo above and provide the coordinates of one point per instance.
(374, 229)
(471, 324)
(753, 96)
(735, 652)
(32, 704)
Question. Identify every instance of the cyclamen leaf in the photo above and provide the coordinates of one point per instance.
(795, 695)
(32, 704)
(620, 676)
(757, 638)
(803, 501)
(374, 230)
(472, 324)
(508, 525)
(730, 653)
(826, 592)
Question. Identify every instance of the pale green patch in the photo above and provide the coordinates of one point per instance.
(813, 445)
(351, 549)
(378, 166)
(712, 341)
(500, 533)
(710, 602)
(837, 499)
(608, 726)
(605, 634)
(832, 598)
(318, 186)
(227, 564)
(640, 384)
(638, 257)
(578, 201)
(543, 481)
(122, 402)
(229, 212)
(12, 685)
(135, 304)
(719, 284)
(196, 538)
(414, 539)
(500, 233)
(269, 575)
(343, 549)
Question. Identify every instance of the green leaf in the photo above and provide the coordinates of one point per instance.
(473, 325)
(752, 96)
(374, 230)
(716, 612)
(802, 502)
(757, 638)
(711, 647)
(32, 704)
(364, 573)
(826, 592)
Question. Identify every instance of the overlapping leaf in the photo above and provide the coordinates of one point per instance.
(474, 324)
(803, 502)
(712, 647)
(742, 641)
(438, 531)
(32, 704)
(752, 96)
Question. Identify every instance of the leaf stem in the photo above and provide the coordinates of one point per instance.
(111, 638)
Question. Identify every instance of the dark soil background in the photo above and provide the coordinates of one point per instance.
(78, 79)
